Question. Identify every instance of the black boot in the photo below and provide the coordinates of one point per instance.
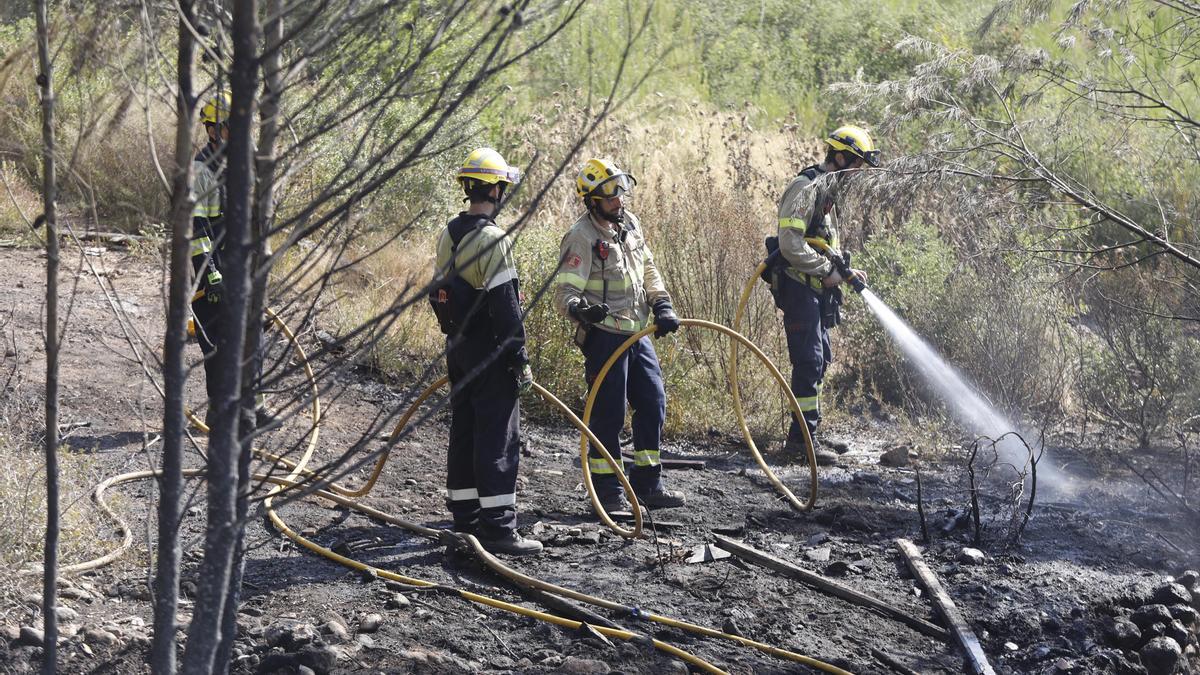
(511, 543)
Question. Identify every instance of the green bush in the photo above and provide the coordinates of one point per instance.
(1003, 328)
(1139, 367)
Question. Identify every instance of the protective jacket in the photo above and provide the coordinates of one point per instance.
(807, 210)
(482, 354)
(609, 264)
(208, 229)
(482, 260)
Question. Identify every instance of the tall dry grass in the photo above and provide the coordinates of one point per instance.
(84, 532)
(19, 204)
(706, 199)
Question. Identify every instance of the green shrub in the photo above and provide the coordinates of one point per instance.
(1004, 329)
(1138, 367)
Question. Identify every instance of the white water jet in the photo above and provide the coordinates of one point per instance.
(969, 407)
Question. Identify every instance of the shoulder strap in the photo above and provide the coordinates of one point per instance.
(812, 172)
(458, 229)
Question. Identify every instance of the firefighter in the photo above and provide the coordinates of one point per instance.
(476, 299)
(208, 186)
(208, 232)
(610, 288)
(808, 288)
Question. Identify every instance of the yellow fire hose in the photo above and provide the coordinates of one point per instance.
(314, 411)
(809, 450)
(333, 494)
(738, 338)
(377, 470)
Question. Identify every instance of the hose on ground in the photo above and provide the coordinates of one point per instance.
(298, 469)
(809, 450)
(737, 338)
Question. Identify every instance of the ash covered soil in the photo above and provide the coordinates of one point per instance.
(1098, 582)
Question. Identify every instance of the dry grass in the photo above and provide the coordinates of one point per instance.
(19, 204)
(83, 534)
(706, 198)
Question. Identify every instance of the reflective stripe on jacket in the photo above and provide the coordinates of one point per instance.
(628, 280)
(483, 258)
(805, 263)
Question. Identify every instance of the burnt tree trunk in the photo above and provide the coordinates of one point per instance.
(261, 215)
(49, 190)
(224, 529)
(170, 482)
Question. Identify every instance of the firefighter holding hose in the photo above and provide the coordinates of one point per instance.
(610, 288)
(812, 269)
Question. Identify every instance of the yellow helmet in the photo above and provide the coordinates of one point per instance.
(487, 166)
(216, 110)
(856, 141)
(601, 179)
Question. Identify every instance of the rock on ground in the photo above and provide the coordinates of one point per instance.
(1160, 655)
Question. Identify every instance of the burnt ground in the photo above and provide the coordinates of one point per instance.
(1064, 599)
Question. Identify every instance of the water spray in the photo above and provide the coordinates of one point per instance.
(964, 400)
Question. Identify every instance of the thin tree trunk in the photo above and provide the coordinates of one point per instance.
(166, 579)
(49, 190)
(224, 529)
(262, 215)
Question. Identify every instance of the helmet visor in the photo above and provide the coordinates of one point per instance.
(614, 186)
(871, 157)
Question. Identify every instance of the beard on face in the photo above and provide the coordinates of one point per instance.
(616, 217)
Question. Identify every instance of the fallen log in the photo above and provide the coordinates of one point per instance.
(891, 662)
(964, 637)
(751, 554)
(115, 238)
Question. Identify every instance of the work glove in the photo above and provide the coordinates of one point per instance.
(524, 379)
(835, 278)
(588, 314)
(665, 321)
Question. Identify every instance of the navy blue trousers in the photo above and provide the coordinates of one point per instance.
(637, 378)
(481, 467)
(205, 313)
(209, 335)
(808, 350)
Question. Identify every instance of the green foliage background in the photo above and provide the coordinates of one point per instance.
(733, 99)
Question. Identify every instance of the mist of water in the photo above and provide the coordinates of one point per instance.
(970, 408)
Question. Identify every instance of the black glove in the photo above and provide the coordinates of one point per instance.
(524, 377)
(665, 321)
(588, 314)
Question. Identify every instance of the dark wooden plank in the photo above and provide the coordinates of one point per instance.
(964, 637)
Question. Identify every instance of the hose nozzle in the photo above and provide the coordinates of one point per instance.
(842, 263)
